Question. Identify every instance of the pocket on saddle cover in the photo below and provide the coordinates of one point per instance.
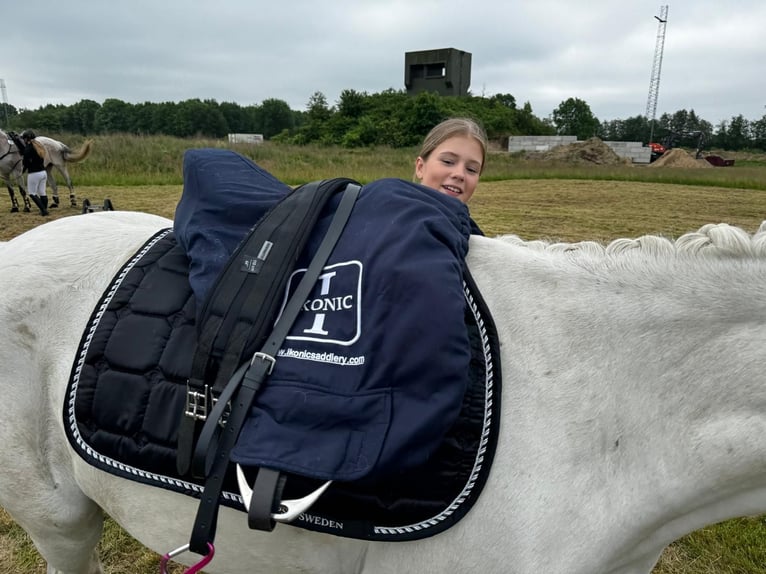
(313, 432)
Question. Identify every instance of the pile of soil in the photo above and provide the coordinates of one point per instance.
(588, 152)
(677, 157)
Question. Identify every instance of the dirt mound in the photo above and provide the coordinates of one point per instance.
(677, 157)
(591, 151)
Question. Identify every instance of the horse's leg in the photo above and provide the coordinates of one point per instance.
(14, 202)
(38, 486)
(64, 525)
(65, 172)
(38, 490)
(24, 196)
(45, 501)
(54, 186)
(23, 192)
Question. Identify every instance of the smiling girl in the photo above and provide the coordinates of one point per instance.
(452, 158)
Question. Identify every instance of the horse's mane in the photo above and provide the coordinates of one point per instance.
(713, 239)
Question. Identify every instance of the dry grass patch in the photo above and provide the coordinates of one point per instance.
(576, 210)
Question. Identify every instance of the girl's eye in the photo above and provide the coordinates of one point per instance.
(447, 161)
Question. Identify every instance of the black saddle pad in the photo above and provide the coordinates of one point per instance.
(128, 385)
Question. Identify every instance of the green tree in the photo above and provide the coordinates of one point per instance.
(7, 115)
(679, 122)
(426, 113)
(276, 116)
(721, 135)
(236, 117)
(114, 116)
(505, 100)
(82, 117)
(352, 104)
(758, 133)
(365, 133)
(143, 118)
(164, 118)
(662, 128)
(635, 128)
(693, 123)
(318, 113)
(738, 136)
(195, 117)
(317, 107)
(389, 110)
(48, 118)
(529, 124)
(391, 117)
(574, 117)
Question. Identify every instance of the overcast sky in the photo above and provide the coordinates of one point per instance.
(245, 51)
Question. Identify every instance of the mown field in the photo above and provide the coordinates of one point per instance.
(534, 201)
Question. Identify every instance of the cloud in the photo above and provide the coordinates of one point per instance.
(541, 52)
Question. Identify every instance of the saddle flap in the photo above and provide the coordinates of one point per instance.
(340, 436)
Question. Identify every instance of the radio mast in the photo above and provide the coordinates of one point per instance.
(654, 83)
(5, 101)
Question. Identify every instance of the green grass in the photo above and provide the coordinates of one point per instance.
(157, 160)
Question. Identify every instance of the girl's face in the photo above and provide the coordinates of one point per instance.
(453, 167)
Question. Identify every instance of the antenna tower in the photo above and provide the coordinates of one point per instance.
(654, 83)
(5, 100)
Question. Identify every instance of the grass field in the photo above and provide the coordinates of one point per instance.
(562, 204)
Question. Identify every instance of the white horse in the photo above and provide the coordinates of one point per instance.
(633, 412)
(11, 171)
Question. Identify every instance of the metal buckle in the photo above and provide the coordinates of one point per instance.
(225, 414)
(264, 357)
(196, 403)
(289, 510)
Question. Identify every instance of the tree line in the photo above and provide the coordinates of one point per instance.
(360, 119)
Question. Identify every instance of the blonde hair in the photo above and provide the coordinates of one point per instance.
(454, 127)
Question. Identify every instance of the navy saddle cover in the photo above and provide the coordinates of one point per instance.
(356, 391)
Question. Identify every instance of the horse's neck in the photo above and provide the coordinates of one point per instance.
(631, 383)
(5, 144)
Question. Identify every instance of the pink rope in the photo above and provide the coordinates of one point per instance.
(192, 569)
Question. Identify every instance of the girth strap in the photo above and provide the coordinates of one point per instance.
(244, 385)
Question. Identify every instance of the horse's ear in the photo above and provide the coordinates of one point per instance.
(42, 151)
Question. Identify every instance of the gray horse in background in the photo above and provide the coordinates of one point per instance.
(57, 155)
(11, 171)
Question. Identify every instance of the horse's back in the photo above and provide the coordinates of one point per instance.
(51, 278)
(51, 143)
(75, 247)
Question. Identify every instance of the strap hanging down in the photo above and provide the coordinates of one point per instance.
(242, 306)
(247, 380)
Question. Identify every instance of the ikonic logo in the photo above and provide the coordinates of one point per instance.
(332, 313)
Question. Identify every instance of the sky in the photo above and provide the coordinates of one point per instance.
(245, 51)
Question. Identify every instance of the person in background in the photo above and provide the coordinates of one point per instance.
(34, 164)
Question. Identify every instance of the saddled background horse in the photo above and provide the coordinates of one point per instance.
(633, 411)
(57, 155)
(11, 172)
